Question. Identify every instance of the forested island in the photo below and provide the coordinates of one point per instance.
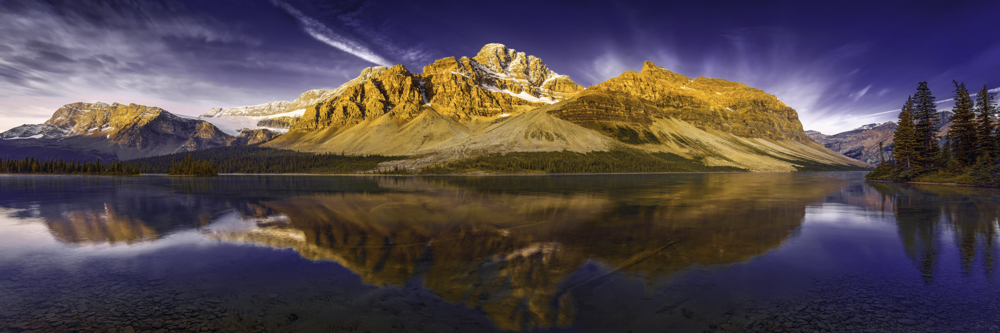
(191, 168)
(968, 154)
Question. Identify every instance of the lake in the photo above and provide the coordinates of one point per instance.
(575, 253)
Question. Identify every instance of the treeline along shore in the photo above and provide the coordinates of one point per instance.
(968, 154)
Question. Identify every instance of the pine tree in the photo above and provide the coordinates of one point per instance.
(984, 112)
(964, 134)
(945, 158)
(881, 153)
(905, 143)
(926, 117)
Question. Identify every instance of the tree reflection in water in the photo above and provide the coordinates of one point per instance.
(923, 212)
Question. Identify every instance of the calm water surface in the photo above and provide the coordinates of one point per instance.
(626, 253)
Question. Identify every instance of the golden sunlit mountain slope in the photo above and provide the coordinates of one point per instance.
(504, 101)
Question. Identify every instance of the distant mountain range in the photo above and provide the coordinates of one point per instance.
(117, 132)
(862, 143)
(498, 101)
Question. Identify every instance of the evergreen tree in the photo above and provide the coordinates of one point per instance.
(946, 160)
(984, 112)
(964, 134)
(881, 153)
(926, 117)
(905, 142)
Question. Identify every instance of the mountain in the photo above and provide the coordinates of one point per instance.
(274, 116)
(505, 101)
(862, 143)
(116, 131)
(460, 109)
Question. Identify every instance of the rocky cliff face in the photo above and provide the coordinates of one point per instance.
(119, 130)
(496, 81)
(709, 104)
(252, 137)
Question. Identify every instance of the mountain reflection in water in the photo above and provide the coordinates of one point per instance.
(509, 253)
(529, 253)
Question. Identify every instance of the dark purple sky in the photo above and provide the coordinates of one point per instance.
(836, 62)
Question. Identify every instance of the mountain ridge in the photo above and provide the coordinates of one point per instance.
(121, 131)
(862, 143)
(498, 101)
(719, 122)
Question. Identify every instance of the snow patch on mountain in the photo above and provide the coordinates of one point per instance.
(36, 136)
(521, 95)
(259, 110)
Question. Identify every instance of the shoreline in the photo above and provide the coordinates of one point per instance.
(512, 174)
(435, 175)
(930, 183)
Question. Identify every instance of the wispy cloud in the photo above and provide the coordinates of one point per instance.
(146, 52)
(860, 93)
(994, 90)
(606, 66)
(322, 33)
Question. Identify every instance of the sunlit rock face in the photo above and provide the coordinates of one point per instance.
(498, 80)
(124, 131)
(510, 253)
(709, 104)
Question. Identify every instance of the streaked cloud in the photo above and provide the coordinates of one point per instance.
(145, 52)
(322, 33)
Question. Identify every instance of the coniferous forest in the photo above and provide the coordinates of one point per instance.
(29, 165)
(968, 154)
